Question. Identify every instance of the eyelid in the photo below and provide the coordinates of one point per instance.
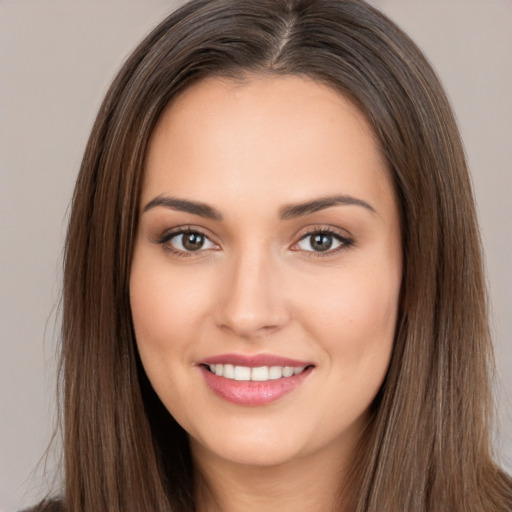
(169, 234)
(177, 230)
(344, 238)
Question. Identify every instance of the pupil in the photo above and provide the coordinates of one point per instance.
(321, 242)
(193, 241)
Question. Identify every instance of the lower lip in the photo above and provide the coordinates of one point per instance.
(248, 392)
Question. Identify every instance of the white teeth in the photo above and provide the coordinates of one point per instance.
(287, 371)
(229, 371)
(275, 372)
(242, 373)
(258, 374)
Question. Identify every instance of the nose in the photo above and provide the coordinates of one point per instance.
(251, 300)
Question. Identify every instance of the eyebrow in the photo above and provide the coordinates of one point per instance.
(286, 212)
(297, 210)
(184, 205)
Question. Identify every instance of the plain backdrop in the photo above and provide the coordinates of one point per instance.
(57, 58)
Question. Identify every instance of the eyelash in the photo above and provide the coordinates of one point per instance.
(344, 241)
(169, 235)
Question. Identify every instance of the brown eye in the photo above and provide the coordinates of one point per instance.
(187, 242)
(322, 241)
(192, 241)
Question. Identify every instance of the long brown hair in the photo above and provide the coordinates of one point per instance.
(427, 448)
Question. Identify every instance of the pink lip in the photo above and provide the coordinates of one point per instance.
(251, 392)
(254, 360)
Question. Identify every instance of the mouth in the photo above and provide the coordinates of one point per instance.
(253, 380)
(255, 374)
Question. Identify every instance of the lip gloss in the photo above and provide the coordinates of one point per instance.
(253, 392)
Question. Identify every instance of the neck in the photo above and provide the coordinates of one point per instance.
(308, 484)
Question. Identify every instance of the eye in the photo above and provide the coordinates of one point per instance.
(323, 241)
(186, 241)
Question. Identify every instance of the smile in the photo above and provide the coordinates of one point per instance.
(253, 380)
(258, 374)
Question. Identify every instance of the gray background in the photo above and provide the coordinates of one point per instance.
(56, 61)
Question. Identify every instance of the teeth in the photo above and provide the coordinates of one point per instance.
(259, 374)
(242, 373)
(287, 371)
(228, 372)
(275, 372)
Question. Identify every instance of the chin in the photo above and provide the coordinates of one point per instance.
(258, 449)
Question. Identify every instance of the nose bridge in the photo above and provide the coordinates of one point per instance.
(251, 302)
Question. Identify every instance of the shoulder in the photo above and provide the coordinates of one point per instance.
(47, 506)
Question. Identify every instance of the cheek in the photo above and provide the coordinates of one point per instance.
(165, 305)
(354, 318)
(358, 333)
(166, 308)
(161, 312)
(370, 307)
(354, 303)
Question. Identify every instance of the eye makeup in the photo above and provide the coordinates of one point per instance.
(318, 241)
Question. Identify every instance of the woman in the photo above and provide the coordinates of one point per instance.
(273, 290)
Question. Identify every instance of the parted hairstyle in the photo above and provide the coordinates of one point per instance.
(427, 447)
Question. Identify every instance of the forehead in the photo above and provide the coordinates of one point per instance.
(266, 136)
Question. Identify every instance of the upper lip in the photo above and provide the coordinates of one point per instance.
(254, 361)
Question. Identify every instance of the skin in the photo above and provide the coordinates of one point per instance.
(257, 286)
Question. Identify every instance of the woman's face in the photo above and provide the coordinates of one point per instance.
(267, 269)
